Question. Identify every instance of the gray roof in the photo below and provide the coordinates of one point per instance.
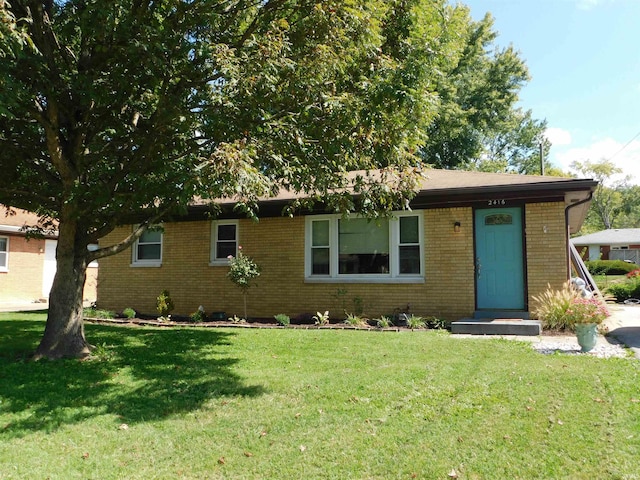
(436, 181)
(614, 236)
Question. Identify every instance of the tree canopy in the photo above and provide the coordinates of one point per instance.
(616, 203)
(110, 109)
(479, 126)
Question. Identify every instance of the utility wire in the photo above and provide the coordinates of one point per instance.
(625, 146)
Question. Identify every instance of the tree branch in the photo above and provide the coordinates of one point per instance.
(128, 241)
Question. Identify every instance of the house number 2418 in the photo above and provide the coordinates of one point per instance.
(493, 203)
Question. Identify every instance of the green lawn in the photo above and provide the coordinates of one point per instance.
(603, 281)
(270, 404)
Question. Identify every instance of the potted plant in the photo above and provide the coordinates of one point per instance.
(568, 309)
(585, 314)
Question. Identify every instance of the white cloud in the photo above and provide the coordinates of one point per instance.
(589, 4)
(626, 158)
(558, 136)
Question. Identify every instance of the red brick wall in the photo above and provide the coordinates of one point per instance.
(23, 281)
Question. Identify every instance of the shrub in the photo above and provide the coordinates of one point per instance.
(550, 307)
(198, 316)
(563, 309)
(436, 323)
(586, 310)
(622, 291)
(383, 322)
(164, 303)
(355, 320)
(94, 312)
(282, 319)
(129, 313)
(321, 318)
(634, 273)
(242, 271)
(414, 321)
(610, 267)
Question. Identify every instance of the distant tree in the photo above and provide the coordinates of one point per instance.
(478, 125)
(629, 216)
(607, 202)
(127, 109)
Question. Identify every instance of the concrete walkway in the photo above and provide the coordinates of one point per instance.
(624, 326)
(23, 306)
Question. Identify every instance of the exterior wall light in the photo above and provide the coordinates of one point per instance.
(456, 227)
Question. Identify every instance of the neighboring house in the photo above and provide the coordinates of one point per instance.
(28, 265)
(472, 244)
(612, 244)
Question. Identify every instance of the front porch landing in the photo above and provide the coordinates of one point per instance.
(497, 326)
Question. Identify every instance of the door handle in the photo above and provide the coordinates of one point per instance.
(478, 266)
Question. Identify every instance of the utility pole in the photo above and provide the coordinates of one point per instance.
(541, 158)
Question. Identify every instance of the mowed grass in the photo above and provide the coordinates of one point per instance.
(289, 403)
(603, 281)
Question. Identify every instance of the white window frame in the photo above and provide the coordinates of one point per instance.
(213, 260)
(136, 262)
(5, 267)
(394, 275)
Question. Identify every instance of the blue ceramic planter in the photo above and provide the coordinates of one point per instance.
(587, 334)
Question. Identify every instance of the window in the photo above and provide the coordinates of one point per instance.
(4, 254)
(320, 247)
(224, 241)
(363, 246)
(409, 245)
(147, 250)
(357, 249)
(498, 219)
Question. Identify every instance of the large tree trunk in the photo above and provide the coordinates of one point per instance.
(64, 331)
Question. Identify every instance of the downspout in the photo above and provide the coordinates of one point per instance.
(566, 227)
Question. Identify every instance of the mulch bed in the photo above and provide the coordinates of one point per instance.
(226, 324)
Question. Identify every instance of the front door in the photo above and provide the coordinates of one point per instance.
(499, 259)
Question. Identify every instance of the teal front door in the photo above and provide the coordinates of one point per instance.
(499, 259)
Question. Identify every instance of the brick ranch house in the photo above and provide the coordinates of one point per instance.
(472, 243)
(28, 265)
(612, 244)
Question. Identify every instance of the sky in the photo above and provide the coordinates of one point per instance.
(584, 60)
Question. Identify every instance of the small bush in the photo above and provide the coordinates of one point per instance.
(563, 309)
(436, 323)
(551, 306)
(414, 321)
(164, 303)
(129, 313)
(321, 318)
(610, 267)
(198, 316)
(634, 273)
(282, 319)
(383, 322)
(622, 291)
(94, 312)
(355, 320)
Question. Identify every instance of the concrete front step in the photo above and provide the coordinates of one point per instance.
(497, 326)
(508, 314)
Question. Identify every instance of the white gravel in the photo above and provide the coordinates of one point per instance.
(572, 348)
